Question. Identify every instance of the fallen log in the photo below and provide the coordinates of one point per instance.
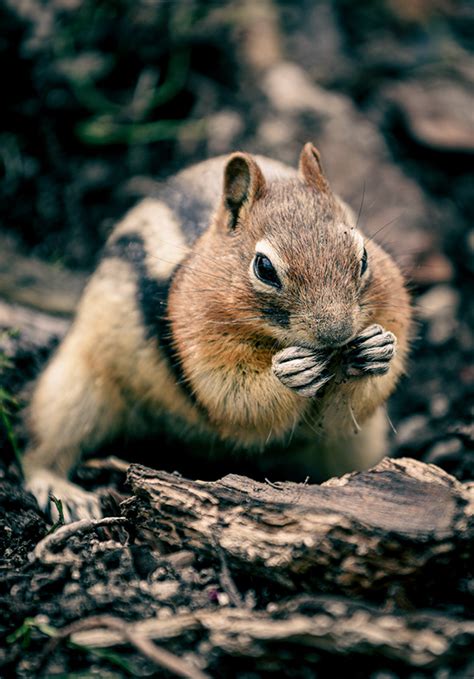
(402, 524)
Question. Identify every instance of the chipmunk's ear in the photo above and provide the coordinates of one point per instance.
(311, 170)
(243, 184)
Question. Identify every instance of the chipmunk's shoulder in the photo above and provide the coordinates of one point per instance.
(168, 221)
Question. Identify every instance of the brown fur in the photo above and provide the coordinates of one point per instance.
(226, 327)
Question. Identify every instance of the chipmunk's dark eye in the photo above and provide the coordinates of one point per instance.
(363, 263)
(265, 271)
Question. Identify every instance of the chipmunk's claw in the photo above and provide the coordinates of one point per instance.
(302, 370)
(370, 353)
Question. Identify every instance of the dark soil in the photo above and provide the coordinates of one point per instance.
(81, 132)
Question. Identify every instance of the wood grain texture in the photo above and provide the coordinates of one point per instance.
(397, 523)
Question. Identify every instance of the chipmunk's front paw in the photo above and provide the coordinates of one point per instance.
(301, 370)
(76, 502)
(370, 353)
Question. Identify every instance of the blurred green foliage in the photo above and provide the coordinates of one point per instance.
(128, 112)
(23, 635)
(98, 91)
(8, 403)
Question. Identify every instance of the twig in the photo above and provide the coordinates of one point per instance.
(272, 484)
(178, 560)
(156, 654)
(111, 462)
(61, 535)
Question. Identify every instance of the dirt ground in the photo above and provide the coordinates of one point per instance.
(385, 90)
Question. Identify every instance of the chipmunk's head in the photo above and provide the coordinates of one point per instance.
(297, 266)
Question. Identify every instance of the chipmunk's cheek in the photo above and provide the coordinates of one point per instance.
(276, 316)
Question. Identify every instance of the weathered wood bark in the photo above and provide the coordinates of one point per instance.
(403, 523)
(400, 535)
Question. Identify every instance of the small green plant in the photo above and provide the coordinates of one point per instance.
(59, 507)
(22, 635)
(8, 403)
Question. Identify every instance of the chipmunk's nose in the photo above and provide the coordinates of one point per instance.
(332, 332)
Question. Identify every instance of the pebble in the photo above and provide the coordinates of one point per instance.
(439, 307)
(437, 113)
(411, 428)
(443, 450)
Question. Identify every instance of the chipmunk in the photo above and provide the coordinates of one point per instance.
(247, 315)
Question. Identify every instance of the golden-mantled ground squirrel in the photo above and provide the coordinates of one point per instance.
(239, 305)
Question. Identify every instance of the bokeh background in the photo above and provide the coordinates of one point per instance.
(97, 93)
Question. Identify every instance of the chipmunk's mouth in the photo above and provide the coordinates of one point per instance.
(341, 344)
(333, 338)
(325, 336)
(316, 344)
(326, 348)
